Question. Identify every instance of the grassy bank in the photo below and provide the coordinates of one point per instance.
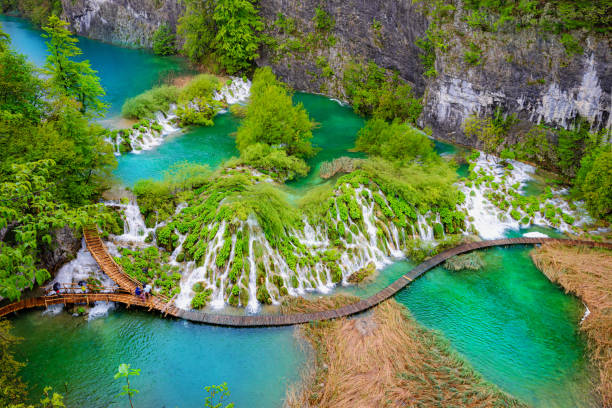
(585, 272)
(385, 359)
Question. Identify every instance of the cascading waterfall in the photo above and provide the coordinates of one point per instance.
(148, 134)
(308, 261)
(493, 176)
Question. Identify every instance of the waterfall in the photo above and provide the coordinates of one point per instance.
(237, 91)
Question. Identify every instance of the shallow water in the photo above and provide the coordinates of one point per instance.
(515, 327)
(123, 72)
(177, 359)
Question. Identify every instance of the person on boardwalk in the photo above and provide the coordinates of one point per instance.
(138, 292)
(56, 288)
(147, 291)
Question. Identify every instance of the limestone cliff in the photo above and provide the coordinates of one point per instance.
(122, 22)
(521, 71)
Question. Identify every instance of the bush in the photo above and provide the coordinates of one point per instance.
(163, 41)
(146, 104)
(276, 125)
(201, 298)
(372, 91)
(594, 182)
(396, 142)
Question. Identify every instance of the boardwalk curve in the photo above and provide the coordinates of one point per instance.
(128, 284)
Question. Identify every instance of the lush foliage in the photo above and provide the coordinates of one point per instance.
(72, 78)
(397, 142)
(13, 390)
(373, 92)
(196, 103)
(216, 396)
(163, 41)
(197, 28)
(594, 182)
(556, 16)
(145, 105)
(38, 11)
(158, 199)
(225, 29)
(237, 40)
(29, 214)
(275, 133)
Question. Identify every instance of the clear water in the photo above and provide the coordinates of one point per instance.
(204, 145)
(123, 72)
(177, 359)
(514, 326)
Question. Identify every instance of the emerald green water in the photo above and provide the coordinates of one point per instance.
(177, 359)
(515, 327)
(123, 72)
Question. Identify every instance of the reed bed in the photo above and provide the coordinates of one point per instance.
(586, 273)
(385, 359)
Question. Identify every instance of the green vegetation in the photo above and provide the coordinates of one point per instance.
(197, 28)
(226, 30)
(275, 135)
(555, 16)
(72, 78)
(53, 162)
(124, 371)
(38, 11)
(13, 389)
(196, 104)
(163, 41)
(473, 56)
(372, 91)
(396, 142)
(145, 105)
(594, 182)
(237, 39)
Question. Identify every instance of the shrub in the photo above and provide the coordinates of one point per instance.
(473, 56)
(594, 182)
(396, 142)
(146, 104)
(372, 91)
(163, 41)
(201, 298)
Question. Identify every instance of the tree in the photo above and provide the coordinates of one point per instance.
(197, 28)
(163, 41)
(20, 89)
(29, 212)
(484, 131)
(124, 371)
(273, 124)
(237, 41)
(397, 142)
(594, 182)
(13, 389)
(72, 78)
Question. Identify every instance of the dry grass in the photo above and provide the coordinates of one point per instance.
(321, 304)
(586, 273)
(386, 359)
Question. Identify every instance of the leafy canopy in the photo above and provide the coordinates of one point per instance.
(29, 213)
(72, 78)
(237, 41)
(280, 129)
(396, 142)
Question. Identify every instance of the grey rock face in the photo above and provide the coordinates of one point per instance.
(63, 248)
(124, 22)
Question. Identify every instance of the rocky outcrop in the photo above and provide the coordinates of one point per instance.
(64, 246)
(521, 71)
(123, 22)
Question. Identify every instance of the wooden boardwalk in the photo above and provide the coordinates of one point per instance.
(127, 284)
